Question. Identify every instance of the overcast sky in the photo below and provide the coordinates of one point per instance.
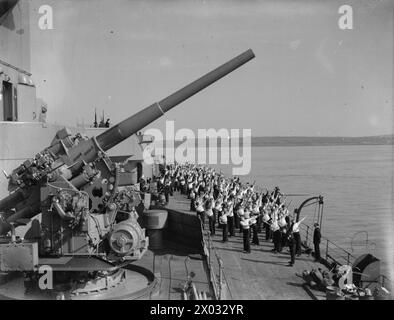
(309, 77)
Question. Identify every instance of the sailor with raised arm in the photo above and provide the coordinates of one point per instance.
(223, 222)
(200, 209)
(218, 207)
(245, 224)
(276, 233)
(210, 214)
(255, 215)
(230, 217)
(297, 237)
(266, 222)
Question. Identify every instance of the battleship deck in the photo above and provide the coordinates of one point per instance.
(261, 274)
(171, 266)
(255, 276)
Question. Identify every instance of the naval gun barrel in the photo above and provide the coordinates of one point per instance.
(133, 124)
(27, 201)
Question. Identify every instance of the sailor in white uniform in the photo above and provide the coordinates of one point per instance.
(245, 224)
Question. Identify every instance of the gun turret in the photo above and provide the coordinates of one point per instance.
(78, 189)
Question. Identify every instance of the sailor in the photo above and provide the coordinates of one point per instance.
(283, 232)
(255, 239)
(216, 190)
(266, 219)
(167, 189)
(211, 216)
(200, 210)
(240, 213)
(245, 219)
(161, 181)
(176, 182)
(196, 187)
(201, 188)
(253, 226)
(276, 192)
(237, 205)
(223, 222)
(291, 243)
(189, 186)
(276, 236)
(260, 219)
(192, 201)
(316, 241)
(282, 221)
(183, 185)
(297, 237)
(218, 207)
(230, 217)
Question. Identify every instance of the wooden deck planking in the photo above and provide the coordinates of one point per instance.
(173, 274)
(261, 274)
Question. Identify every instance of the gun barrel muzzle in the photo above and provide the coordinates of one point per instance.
(133, 124)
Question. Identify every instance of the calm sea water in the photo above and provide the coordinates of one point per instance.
(357, 185)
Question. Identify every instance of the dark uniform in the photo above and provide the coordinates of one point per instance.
(316, 241)
(255, 239)
(259, 223)
(297, 239)
(224, 226)
(212, 220)
(193, 204)
(268, 233)
(277, 239)
(246, 238)
(230, 221)
(167, 191)
(236, 217)
(292, 246)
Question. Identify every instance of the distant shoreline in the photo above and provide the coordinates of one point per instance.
(311, 141)
(321, 141)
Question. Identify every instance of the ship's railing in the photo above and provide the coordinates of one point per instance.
(332, 253)
(215, 265)
(381, 279)
(329, 250)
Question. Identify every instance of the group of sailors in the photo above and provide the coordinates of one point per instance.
(232, 205)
